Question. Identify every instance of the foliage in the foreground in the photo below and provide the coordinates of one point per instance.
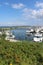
(21, 53)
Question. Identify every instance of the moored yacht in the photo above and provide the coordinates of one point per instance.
(9, 35)
(30, 32)
(38, 37)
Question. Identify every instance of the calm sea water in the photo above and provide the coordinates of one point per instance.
(20, 34)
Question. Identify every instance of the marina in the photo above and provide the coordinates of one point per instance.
(26, 34)
(29, 34)
(21, 32)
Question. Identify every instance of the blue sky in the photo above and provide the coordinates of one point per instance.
(21, 12)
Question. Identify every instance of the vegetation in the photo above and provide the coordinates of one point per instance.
(21, 53)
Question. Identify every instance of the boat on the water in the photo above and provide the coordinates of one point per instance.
(9, 35)
(30, 32)
(38, 37)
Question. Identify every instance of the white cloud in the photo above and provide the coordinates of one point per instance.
(34, 13)
(39, 4)
(27, 13)
(6, 3)
(38, 14)
(18, 6)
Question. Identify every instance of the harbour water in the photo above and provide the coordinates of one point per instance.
(20, 34)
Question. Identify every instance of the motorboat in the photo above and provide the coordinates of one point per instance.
(38, 37)
(30, 32)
